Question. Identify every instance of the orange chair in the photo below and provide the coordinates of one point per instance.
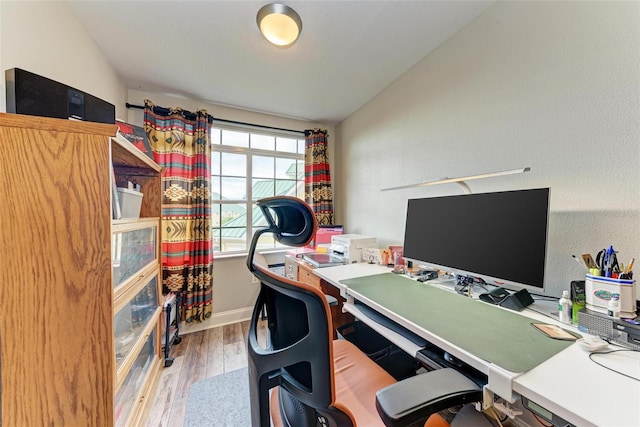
(314, 380)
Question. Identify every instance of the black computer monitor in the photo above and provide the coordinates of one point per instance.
(499, 237)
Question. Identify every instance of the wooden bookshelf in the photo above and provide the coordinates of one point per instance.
(58, 298)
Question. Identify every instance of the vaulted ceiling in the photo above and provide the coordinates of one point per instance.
(212, 51)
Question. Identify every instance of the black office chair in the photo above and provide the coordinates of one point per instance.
(318, 381)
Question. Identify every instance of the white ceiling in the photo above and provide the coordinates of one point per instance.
(212, 51)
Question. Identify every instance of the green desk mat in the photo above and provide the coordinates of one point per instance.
(502, 337)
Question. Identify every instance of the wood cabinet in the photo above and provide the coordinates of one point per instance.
(302, 271)
(79, 336)
(305, 275)
(338, 317)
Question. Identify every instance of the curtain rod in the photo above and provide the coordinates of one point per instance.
(210, 118)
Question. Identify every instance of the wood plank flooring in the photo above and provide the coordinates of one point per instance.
(200, 355)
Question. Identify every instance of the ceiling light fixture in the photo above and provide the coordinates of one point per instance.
(279, 24)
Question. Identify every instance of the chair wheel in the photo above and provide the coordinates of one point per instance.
(168, 362)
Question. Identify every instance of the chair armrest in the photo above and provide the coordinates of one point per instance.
(418, 397)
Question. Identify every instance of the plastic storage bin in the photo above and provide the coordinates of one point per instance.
(130, 202)
(382, 351)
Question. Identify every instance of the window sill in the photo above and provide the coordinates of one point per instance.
(218, 255)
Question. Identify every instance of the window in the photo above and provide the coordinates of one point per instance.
(246, 166)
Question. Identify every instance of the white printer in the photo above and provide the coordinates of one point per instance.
(350, 246)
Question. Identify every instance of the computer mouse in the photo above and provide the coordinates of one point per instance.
(591, 343)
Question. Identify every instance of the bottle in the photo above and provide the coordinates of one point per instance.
(614, 306)
(564, 308)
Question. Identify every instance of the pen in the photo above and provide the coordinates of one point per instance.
(629, 266)
(609, 262)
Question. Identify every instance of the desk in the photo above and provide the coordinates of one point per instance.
(297, 269)
(568, 384)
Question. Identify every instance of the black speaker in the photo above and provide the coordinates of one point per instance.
(34, 95)
(517, 301)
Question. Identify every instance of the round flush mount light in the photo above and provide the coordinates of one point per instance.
(279, 24)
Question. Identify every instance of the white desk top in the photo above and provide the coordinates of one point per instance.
(583, 393)
(569, 384)
(335, 275)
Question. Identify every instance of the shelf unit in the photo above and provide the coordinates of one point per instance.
(80, 294)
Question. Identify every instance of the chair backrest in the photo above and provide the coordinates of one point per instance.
(298, 357)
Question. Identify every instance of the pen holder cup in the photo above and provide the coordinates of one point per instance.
(599, 290)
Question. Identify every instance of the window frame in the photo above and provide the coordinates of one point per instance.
(249, 202)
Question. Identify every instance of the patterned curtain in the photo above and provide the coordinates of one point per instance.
(317, 178)
(180, 143)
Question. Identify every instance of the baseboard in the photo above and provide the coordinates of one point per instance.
(218, 319)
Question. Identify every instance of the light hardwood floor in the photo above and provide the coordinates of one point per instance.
(200, 355)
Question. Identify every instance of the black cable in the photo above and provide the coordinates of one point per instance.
(543, 298)
(464, 282)
(611, 369)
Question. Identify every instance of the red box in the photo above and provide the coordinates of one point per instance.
(323, 236)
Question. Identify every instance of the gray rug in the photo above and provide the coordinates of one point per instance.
(220, 401)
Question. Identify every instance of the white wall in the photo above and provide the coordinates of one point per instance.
(550, 85)
(45, 38)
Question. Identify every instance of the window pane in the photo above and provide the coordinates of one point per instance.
(262, 188)
(300, 170)
(263, 142)
(258, 217)
(285, 187)
(286, 168)
(301, 146)
(287, 145)
(215, 163)
(300, 190)
(266, 241)
(215, 215)
(233, 239)
(216, 240)
(234, 215)
(215, 188)
(262, 167)
(215, 136)
(233, 188)
(233, 164)
(236, 139)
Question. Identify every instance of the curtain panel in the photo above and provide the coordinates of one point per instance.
(317, 177)
(181, 145)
